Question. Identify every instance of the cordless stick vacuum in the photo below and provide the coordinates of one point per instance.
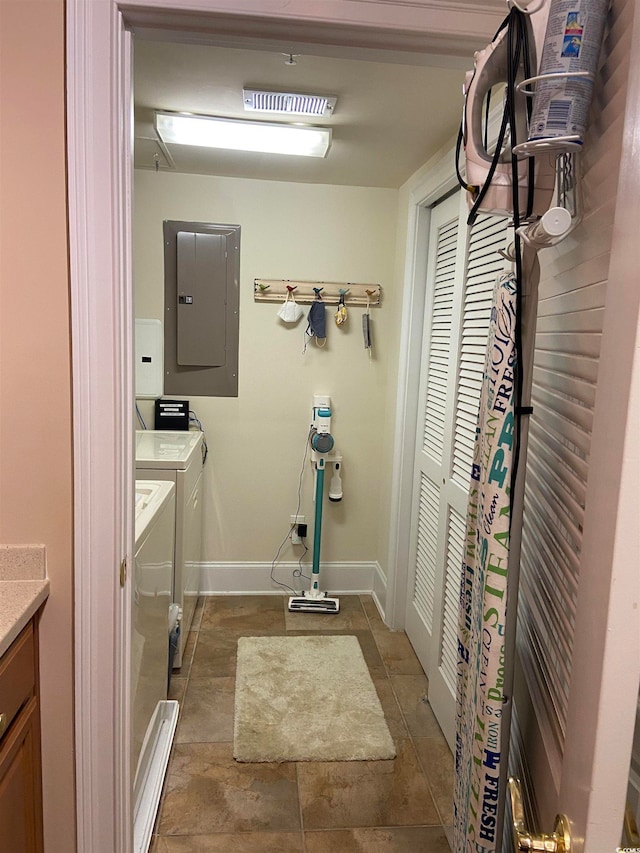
(315, 601)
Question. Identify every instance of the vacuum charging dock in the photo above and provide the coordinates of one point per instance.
(315, 601)
(323, 604)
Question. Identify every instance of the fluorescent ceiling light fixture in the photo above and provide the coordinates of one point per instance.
(238, 135)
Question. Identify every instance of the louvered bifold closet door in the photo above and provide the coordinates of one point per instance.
(482, 266)
(462, 270)
(445, 263)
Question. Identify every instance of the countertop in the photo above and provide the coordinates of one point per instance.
(24, 587)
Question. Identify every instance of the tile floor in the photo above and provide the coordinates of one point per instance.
(212, 804)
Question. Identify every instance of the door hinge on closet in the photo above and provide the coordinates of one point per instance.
(123, 572)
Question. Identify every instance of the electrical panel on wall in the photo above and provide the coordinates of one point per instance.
(201, 302)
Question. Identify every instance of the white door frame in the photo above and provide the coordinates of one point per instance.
(99, 157)
(99, 133)
(98, 128)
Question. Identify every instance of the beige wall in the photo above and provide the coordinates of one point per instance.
(35, 414)
(257, 440)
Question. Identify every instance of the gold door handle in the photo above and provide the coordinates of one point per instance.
(3, 723)
(525, 842)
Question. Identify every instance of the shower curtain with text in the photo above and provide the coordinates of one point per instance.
(483, 592)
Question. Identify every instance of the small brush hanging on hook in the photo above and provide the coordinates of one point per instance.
(341, 313)
(366, 322)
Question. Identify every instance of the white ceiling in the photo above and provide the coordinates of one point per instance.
(393, 112)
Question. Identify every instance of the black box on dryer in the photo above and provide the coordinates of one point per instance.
(172, 414)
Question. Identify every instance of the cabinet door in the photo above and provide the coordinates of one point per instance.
(20, 788)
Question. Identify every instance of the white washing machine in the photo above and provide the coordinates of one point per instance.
(153, 717)
(177, 457)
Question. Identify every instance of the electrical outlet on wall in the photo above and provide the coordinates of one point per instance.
(295, 536)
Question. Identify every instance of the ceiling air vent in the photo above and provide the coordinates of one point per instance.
(290, 103)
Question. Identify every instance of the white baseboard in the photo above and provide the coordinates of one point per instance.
(379, 592)
(254, 578)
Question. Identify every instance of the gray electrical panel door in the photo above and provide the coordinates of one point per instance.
(201, 302)
(201, 266)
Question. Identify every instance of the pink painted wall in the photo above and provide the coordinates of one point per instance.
(35, 366)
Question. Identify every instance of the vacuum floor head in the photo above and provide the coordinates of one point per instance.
(314, 605)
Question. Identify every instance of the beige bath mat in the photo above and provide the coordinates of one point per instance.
(307, 699)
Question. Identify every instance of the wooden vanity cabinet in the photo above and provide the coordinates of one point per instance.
(20, 763)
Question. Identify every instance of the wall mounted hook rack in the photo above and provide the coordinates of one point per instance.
(275, 290)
